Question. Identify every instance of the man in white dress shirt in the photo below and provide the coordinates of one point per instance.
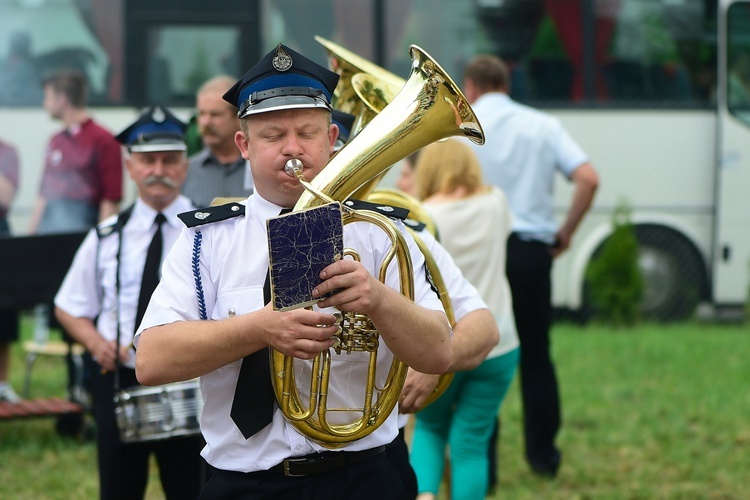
(106, 289)
(523, 151)
(216, 271)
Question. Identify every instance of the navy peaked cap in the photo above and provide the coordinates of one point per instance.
(156, 129)
(345, 122)
(283, 79)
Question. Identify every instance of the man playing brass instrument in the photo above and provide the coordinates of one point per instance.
(217, 270)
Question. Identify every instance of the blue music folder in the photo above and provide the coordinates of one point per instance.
(300, 245)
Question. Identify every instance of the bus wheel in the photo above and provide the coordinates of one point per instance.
(674, 276)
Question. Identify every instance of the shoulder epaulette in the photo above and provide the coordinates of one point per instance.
(415, 225)
(387, 210)
(116, 226)
(212, 214)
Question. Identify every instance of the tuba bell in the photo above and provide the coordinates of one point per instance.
(429, 107)
(374, 94)
(347, 64)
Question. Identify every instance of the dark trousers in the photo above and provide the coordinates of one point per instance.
(8, 317)
(369, 479)
(529, 265)
(124, 467)
(8, 325)
(397, 453)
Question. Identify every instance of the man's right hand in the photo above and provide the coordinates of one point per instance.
(300, 333)
(417, 388)
(104, 353)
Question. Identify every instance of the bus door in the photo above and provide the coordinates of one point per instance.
(731, 276)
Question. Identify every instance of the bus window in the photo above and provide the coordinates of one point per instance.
(40, 37)
(738, 61)
(171, 48)
(179, 60)
(663, 52)
(619, 53)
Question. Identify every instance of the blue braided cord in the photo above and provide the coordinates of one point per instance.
(197, 274)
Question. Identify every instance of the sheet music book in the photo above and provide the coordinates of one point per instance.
(302, 244)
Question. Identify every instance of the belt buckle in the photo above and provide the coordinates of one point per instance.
(287, 462)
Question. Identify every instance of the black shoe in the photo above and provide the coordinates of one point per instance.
(545, 472)
(546, 468)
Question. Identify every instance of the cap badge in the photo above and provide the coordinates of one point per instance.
(158, 115)
(202, 215)
(282, 61)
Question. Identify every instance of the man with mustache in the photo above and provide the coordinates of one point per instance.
(218, 170)
(105, 293)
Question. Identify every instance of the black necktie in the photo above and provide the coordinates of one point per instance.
(252, 407)
(150, 269)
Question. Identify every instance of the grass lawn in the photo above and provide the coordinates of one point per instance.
(652, 412)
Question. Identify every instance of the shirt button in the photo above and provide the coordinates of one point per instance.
(231, 312)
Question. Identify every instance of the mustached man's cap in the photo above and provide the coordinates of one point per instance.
(156, 129)
(283, 79)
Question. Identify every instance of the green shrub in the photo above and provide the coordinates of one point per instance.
(614, 281)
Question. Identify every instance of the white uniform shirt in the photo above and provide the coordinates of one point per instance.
(464, 297)
(523, 148)
(477, 230)
(233, 265)
(88, 289)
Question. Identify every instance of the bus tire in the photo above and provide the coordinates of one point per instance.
(673, 272)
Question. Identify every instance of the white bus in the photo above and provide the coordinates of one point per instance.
(654, 91)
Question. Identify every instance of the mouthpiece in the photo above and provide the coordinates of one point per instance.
(292, 167)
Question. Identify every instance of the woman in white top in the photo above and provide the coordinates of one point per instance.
(473, 222)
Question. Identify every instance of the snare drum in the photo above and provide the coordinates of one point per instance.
(161, 412)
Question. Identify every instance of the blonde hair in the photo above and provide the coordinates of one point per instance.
(444, 167)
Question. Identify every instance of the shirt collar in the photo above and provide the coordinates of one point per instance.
(76, 128)
(262, 208)
(496, 98)
(144, 215)
(210, 159)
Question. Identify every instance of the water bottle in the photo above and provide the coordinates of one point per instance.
(41, 323)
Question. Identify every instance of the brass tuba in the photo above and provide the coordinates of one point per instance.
(345, 98)
(429, 107)
(419, 214)
(375, 88)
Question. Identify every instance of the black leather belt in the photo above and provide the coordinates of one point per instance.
(319, 463)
